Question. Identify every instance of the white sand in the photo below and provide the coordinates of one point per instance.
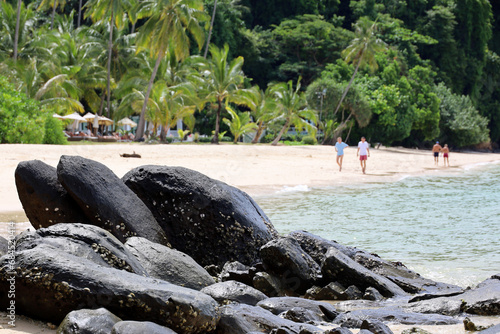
(256, 169)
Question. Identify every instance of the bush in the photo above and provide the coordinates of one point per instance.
(205, 139)
(267, 138)
(226, 139)
(53, 132)
(21, 118)
(309, 140)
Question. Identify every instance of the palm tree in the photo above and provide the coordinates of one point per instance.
(292, 108)
(16, 37)
(222, 83)
(54, 4)
(239, 124)
(264, 113)
(15, 30)
(112, 12)
(168, 24)
(362, 50)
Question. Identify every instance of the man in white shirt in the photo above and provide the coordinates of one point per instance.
(363, 153)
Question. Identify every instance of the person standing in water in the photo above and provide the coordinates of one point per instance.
(446, 153)
(435, 150)
(363, 153)
(339, 148)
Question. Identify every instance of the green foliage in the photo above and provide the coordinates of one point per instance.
(53, 131)
(461, 124)
(309, 140)
(21, 119)
(239, 124)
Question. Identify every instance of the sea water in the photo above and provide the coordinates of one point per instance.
(445, 227)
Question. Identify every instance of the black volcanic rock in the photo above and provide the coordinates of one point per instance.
(233, 291)
(169, 264)
(106, 200)
(339, 267)
(86, 241)
(207, 219)
(44, 199)
(278, 305)
(86, 321)
(140, 327)
(285, 258)
(51, 283)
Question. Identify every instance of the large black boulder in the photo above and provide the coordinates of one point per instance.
(244, 319)
(339, 267)
(286, 259)
(86, 321)
(233, 291)
(51, 283)
(44, 199)
(106, 200)
(86, 241)
(209, 220)
(169, 264)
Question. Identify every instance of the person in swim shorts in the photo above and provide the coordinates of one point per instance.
(363, 153)
(446, 153)
(339, 148)
(435, 151)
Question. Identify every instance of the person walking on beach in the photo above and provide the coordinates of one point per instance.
(446, 153)
(363, 153)
(339, 148)
(435, 150)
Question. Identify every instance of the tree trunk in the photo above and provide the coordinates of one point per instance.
(102, 104)
(255, 139)
(110, 56)
(210, 30)
(215, 139)
(53, 14)
(348, 86)
(16, 36)
(282, 131)
(142, 121)
(79, 14)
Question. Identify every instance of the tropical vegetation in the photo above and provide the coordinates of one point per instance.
(399, 72)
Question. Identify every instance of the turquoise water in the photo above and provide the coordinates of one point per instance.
(445, 227)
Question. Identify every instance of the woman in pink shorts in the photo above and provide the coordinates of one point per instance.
(363, 153)
(446, 153)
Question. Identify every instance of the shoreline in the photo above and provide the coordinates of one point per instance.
(257, 170)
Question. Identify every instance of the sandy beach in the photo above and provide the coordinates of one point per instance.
(256, 169)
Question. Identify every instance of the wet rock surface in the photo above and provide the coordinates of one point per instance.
(44, 199)
(106, 200)
(209, 220)
(169, 264)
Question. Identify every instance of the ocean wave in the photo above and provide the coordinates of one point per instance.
(297, 188)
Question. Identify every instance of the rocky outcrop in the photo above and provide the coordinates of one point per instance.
(376, 327)
(51, 283)
(4, 246)
(354, 319)
(140, 327)
(285, 258)
(232, 291)
(86, 321)
(169, 264)
(244, 319)
(483, 300)
(44, 199)
(106, 200)
(85, 241)
(339, 267)
(207, 219)
(237, 271)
